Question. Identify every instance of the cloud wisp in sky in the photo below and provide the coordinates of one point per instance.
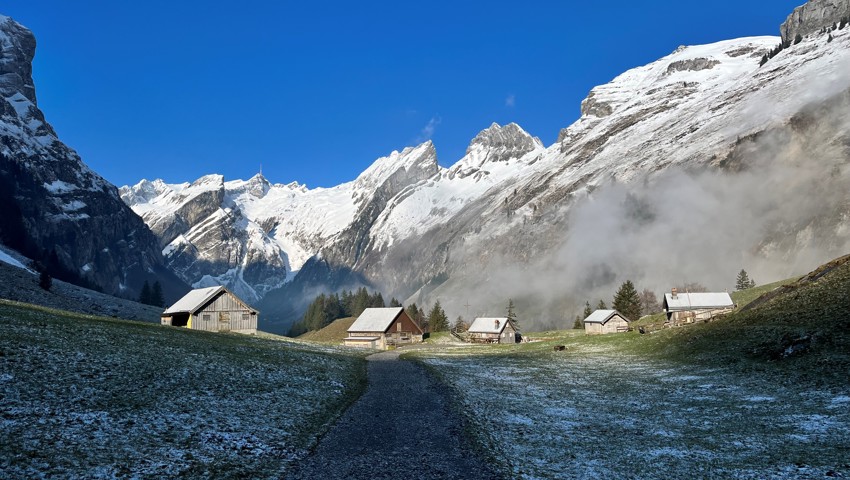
(510, 101)
(428, 130)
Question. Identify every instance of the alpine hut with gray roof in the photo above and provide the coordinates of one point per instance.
(382, 328)
(492, 330)
(605, 321)
(691, 307)
(212, 309)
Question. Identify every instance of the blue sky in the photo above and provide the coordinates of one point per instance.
(316, 91)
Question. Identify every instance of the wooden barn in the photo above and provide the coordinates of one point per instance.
(692, 307)
(383, 328)
(212, 309)
(492, 330)
(605, 321)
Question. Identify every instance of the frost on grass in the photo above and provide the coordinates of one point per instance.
(105, 399)
(596, 413)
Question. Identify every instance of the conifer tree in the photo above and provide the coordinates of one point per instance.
(360, 302)
(601, 305)
(413, 312)
(437, 319)
(460, 325)
(587, 310)
(627, 301)
(394, 302)
(157, 299)
(578, 324)
(45, 281)
(743, 280)
(145, 295)
(511, 314)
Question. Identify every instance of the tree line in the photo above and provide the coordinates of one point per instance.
(633, 305)
(326, 308)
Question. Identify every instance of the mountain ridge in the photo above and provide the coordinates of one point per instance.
(688, 120)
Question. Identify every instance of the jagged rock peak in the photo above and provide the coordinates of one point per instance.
(258, 185)
(17, 49)
(421, 158)
(511, 136)
(501, 143)
(813, 16)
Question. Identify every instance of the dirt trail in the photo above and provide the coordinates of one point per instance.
(401, 427)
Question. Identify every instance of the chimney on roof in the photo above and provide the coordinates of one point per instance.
(497, 323)
(674, 293)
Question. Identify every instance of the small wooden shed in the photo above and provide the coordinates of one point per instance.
(382, 328)
(492, 330)
(692, 307)
(213, 309)
(605, 321)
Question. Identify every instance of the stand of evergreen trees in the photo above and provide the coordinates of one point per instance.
(329, 307)
(152, 295)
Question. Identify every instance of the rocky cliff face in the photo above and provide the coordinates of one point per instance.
(813, 16)
(55, 208)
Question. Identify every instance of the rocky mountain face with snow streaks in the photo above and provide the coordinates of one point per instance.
(702, 151)
(55, 208)
(252, 236)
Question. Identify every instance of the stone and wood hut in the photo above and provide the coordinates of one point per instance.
(692, 307)
(605, 321)
(213, 309)
(492, 330)
(382, 328)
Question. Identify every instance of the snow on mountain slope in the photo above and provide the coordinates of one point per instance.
(701, 108)
(510, 202)
(252, 235)
(495, 155)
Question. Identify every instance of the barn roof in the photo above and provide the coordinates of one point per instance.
(697, 301)
(488, 325)
(196, 299)
(602, 316)
(375, 319)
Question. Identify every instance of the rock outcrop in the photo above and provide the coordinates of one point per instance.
(813, 16)
(56, 209)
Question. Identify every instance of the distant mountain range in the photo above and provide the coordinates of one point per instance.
(669, 149)
(712, 159)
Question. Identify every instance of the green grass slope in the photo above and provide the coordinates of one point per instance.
(84, 396)
(802, 327)
(333, 333)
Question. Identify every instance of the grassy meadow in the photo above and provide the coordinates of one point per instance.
(92, 397)
(759, 393)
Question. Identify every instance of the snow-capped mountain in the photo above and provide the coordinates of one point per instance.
(252, 235)
(703, 149)
(52, 202)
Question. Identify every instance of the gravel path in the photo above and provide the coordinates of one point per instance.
(402, 427)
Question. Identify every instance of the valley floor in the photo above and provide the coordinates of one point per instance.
(85, 397)
(594, 412)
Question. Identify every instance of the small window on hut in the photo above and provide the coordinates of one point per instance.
(206, 317)
(398, 326)
(245, 316)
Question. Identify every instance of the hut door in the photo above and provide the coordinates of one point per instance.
(223, 321)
